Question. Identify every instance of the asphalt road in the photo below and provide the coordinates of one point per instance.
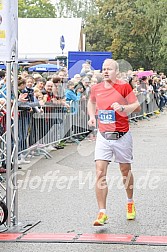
(59, 192)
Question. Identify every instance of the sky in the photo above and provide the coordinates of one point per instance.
(54, 1)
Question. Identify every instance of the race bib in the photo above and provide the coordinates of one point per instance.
(106, 116)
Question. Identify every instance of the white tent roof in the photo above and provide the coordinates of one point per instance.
(39, 38)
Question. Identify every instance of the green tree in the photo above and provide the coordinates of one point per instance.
(132, 30)
(36, 9)
(163, 50)
(151, 28)
(98, 27)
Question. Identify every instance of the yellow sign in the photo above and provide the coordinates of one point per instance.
(1, 4)
(2, 34)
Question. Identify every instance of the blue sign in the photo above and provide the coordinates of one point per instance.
(62, 42)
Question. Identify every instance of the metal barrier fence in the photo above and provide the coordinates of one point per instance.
(37, 129)
(52, 125)
(148, 103)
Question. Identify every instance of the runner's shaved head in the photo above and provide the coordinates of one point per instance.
(112, 62)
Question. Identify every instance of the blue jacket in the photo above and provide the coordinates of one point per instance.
(70, 95)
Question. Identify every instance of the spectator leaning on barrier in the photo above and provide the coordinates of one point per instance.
(47, 91)
(79, 88)
(23, 100)
(58, 88)
(163, 99)
(115, 100)
(38, 96)
(58, 94)
(143, 84)
(25, 107)
(156, 87)
(72, 97)
(29, 88)
(70, 94)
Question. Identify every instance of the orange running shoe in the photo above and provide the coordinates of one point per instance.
(130, 211)
(101, 219)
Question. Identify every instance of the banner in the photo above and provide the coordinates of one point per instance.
(8, 29)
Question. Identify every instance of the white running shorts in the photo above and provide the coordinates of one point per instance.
(121, 149)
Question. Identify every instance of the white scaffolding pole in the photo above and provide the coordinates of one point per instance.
(9, 55)
(15, 154)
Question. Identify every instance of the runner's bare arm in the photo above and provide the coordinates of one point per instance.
(91, 111)
(130, 108)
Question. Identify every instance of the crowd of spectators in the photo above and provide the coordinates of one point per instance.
(36, 90)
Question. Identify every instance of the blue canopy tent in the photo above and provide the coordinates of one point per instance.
(2, 67)
(44, 68)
